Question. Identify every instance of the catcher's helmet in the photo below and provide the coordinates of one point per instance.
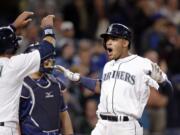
(118, 30)
(37, 46)
(8, 40)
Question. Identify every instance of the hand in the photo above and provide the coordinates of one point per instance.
(22, 20)
(151, 82)
(157, 74)
(70, 75)
(47, 21)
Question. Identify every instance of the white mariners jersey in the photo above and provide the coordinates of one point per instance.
(12, 72)
(124, 90)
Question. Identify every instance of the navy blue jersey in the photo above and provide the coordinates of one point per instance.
(40, 105)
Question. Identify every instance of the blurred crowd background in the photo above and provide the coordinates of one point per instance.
(78, 24)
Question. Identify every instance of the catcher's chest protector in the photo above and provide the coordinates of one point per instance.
(46, 106)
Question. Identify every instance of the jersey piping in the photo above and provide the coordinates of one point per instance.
(115, 83)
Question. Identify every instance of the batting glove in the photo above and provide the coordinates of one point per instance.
(67, 73)
(157, 74)
(151, 82)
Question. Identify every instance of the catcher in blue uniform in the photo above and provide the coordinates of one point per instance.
(42, 107)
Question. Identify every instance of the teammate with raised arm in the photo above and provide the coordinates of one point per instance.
(125, 84)
(14, 68)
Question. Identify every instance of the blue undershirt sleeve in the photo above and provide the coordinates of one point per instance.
(88, 83)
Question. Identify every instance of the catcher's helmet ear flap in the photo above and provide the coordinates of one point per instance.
(8, 40)
(118, 30)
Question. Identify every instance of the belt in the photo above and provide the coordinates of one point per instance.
(1, 123)
(114, 118)
(9, 124)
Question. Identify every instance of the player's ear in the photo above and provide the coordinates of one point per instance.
(125, 43)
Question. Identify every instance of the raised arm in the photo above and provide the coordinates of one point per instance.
(47, 45)
(47, 25)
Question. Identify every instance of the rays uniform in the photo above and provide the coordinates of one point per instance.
(124, 94)
(40, 106)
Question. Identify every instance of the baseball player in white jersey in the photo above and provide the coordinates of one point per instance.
(14, 68)
(125, 85)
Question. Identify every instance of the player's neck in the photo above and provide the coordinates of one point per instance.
(36, 75)
(124, 55)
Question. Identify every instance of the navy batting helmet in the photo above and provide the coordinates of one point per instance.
(8, 40)
(118, 30)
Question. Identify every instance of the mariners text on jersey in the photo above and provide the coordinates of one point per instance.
(120, 75)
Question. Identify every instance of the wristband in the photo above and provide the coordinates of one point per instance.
(48, 31)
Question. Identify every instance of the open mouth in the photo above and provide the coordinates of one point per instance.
(109, 50)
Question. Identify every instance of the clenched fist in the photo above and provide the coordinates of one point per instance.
(47, 21)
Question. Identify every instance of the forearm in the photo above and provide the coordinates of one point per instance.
(49, 35)
(47, 45)
(156, 99)
(66, 123)
(50, 39)
(91, 84)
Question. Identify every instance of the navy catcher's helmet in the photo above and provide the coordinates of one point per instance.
(8, 40)
(42, 69)
(118, 30)
(37, 46)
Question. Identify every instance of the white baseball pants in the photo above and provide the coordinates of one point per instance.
(8, 131)
(105, 127)
(10, 128)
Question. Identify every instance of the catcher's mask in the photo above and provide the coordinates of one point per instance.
(117, 30)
